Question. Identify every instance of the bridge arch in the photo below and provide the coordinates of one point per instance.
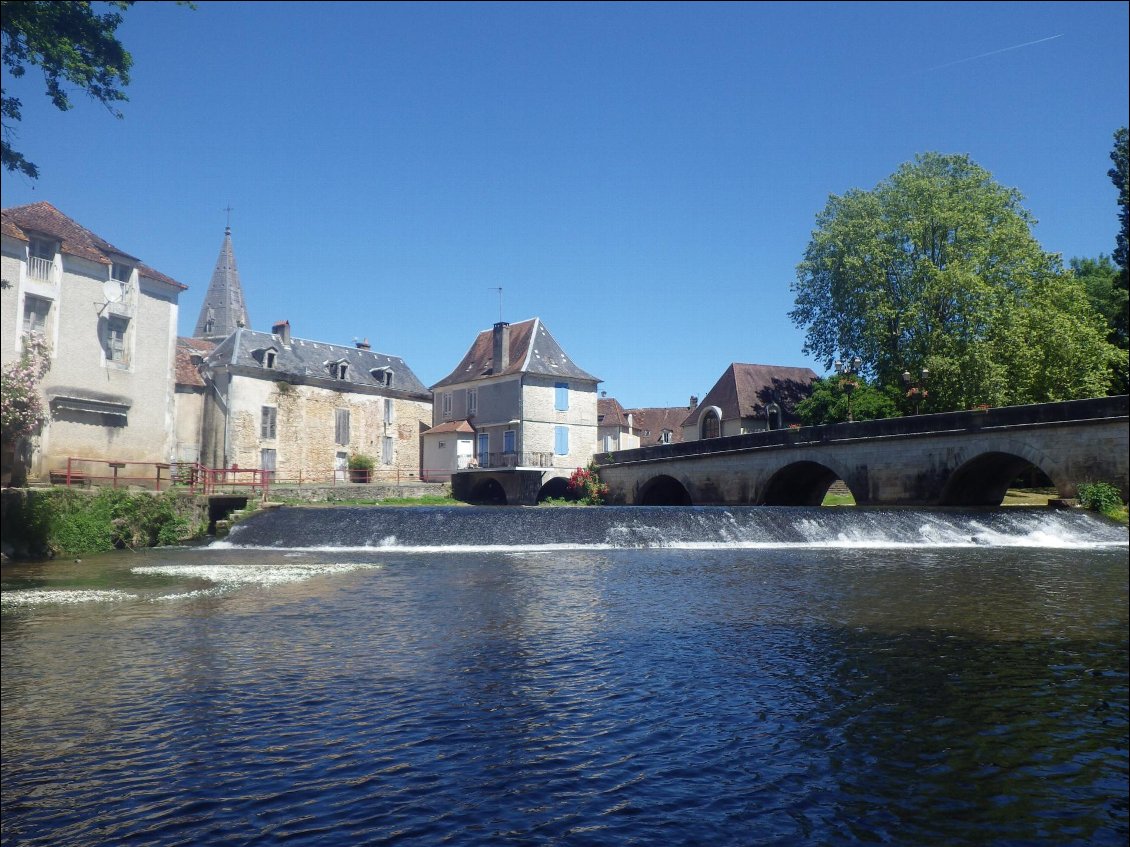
(664, 490)
(984, 479)
(556, 488)
(801, 484)
(488, 492)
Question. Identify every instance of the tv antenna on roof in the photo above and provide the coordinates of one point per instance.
(498, 288)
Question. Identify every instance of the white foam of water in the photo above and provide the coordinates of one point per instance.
(263, 575)
(40, 597)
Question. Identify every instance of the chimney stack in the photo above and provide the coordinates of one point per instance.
(364, 345)
(693, 403)
(501, 352)
(282, 330)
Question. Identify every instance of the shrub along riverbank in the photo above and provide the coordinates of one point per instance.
(51, 522)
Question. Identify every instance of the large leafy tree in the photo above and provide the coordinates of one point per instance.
(937, 267)
(1120, 176)
(74, 46)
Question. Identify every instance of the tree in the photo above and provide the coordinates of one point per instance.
(937, 268)
(828, 402)
(1103, 283)
(73, 45)
(1120, 176)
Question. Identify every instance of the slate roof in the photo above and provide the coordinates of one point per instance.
(311, 360)
(654, 420)
(22, 222)
(223, 305)
(186, 371)
(532, 351)
(744, 390)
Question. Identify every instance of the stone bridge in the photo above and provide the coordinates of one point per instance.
(949, 459)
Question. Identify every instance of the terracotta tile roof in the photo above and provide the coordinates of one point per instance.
(74, 239)
(609, 412)
(532, 350)
(187, 373)
(744, 390)
(450, 426)
(654, 420)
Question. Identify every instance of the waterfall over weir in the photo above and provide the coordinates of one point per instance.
(432, 529)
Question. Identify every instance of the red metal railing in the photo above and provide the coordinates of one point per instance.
(160, 476)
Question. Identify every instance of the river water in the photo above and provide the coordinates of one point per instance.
(576, 676)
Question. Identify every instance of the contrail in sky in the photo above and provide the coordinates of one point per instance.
(995, 52)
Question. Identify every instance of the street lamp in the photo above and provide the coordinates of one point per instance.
(848, 370)
(917, 391)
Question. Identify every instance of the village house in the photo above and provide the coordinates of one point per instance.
(656, 425)
(615, 426)
(110, 323)
(749, 398)
(527, 403)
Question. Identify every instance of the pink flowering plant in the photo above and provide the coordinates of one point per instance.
(22, 412)
(585, 485)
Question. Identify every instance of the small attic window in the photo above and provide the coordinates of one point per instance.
(265, 356)
(339, 369)
(383, 376)
(120, 272)
(269, 357)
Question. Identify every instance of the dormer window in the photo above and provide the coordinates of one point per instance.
(41, 258)
(121, 272)
(339, 369)
(383, 376)
(269, 359)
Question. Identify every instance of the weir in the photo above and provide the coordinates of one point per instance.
(502, 528)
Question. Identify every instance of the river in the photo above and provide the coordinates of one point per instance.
(658, 676)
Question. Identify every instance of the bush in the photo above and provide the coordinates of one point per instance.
(1100, 497)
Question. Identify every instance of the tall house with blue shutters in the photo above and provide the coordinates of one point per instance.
(519, 400)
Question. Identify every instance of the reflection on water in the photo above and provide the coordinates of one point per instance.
(587, 696)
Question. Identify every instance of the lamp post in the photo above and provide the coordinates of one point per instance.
(849, 370)
(917, 391)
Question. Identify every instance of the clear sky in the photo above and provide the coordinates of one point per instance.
(643, 177)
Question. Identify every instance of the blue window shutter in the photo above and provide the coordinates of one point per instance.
(561, 396)
(561, 440)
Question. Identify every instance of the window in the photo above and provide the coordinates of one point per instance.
(561, 396)
(388, 410)
(120, 272)
(472, 401)
(665, 437)
(269, 359)
(561, 440)
(383, 376)
(508, 441)
(41, 248)
(387, 450)
(40, 259)
(447, 406)
(484, 449)
(609, 442)
(340, 370)
(267, 422)
(36, 310)
(341, 427)
(711, 425)
(116, 328)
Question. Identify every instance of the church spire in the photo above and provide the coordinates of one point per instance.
(223, 310)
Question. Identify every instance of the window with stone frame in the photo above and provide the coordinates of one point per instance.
(341, 427)
(114, 343)
(387, 450)
(36, 311)
(268, 422)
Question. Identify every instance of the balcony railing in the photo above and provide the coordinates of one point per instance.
(41, 269)
(515, 460)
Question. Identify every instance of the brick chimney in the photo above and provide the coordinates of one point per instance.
(501, 353)
(282, 330)
(364, 345)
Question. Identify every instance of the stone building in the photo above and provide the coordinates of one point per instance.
(616, 426)
(110, 322)
(301, 408)
(531, 408)
(749, 398)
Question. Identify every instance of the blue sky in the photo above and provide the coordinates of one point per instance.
(643, 177)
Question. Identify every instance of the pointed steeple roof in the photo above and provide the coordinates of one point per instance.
(223, 310)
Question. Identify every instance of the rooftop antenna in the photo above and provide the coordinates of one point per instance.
(498, 288)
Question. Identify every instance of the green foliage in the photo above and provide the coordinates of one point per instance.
(361, 462)
(22, 412)
(1120, 176)
(585, 485)
(66, 522)
(828, 402)
(937, 268)
(1106, 291)
(1100, 497)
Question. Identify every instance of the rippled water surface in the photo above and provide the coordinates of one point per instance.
(784, 695)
